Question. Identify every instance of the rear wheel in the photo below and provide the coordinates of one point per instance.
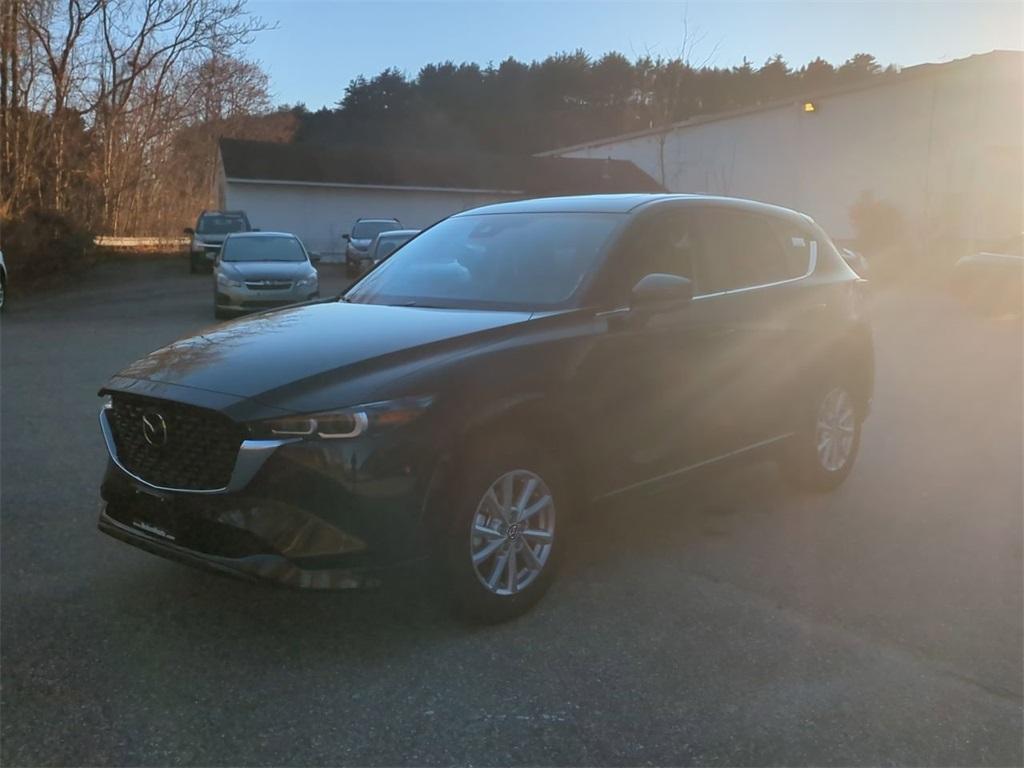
(822, 452)
(504, 536)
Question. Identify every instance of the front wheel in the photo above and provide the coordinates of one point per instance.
(821, 453)
(505, 532)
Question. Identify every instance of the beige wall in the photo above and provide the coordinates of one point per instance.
(944, 148)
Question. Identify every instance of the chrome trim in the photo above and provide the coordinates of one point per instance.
(698, 465)
(251, 456)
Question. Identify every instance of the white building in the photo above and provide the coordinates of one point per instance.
(941, 142)
(318, 193)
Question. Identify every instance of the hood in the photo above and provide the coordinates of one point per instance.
(260, 356)
(265, 270)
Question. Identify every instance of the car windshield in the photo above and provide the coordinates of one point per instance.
(499, 261)
(365, 230)
(219, 224)
(263, 249)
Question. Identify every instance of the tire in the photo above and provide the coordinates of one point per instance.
(821, 454)
(468, 503)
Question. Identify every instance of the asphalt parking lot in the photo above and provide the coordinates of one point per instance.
(727, 623)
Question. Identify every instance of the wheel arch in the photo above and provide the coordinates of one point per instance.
(530, 417)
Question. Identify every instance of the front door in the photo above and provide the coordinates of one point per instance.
(659, 386)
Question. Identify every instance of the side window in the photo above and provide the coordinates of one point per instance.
(798, 246)
(741, 250)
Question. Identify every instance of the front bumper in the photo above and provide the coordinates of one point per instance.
(243, 299)
(311, 514)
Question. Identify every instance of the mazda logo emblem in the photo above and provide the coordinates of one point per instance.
(154, 429)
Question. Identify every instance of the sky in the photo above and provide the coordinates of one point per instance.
(319, 46)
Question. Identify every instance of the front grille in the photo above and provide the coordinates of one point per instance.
(268, 285)
(188, 447)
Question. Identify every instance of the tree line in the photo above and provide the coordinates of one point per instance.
(516, 107)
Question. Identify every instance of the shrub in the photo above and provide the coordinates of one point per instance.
(43, 242)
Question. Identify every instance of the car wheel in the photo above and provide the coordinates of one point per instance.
(824, 448)
(506, 526)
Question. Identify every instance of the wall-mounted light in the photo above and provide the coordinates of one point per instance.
(810, 106)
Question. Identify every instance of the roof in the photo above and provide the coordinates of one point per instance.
(571, 204)
(885, 80)
(271, 163)
(260, 233)
(627, 204)
(399, 233)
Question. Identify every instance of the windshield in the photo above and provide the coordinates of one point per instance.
(263, 249)
(365, 230)
(501, 261)
(219, 224)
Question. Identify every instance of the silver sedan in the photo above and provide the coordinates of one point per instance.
(258, 270)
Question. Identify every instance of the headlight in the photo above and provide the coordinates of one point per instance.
(307, 282)
(347, 422)
(223, 280)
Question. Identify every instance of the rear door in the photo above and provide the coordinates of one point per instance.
(747, 276)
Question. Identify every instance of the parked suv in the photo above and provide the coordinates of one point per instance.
(486, 384)
(357, 247)
(387, 243)
(208, 236)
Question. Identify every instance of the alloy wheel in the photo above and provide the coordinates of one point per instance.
(512, 532)
(836, 427)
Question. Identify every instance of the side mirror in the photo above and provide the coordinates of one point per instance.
(659, 292)
(346, 236)
(189, 231)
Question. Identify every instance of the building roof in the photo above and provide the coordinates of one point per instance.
(886, 79)
(256, 161)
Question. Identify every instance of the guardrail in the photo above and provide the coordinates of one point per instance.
(142, 243)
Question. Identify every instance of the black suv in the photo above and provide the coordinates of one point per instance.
(208, 236)
(501, 372)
